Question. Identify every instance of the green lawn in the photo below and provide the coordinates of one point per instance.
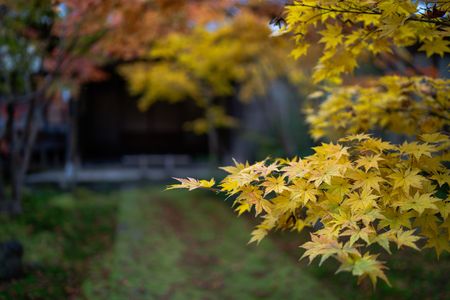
(63, 235)
(148, 244)
(188, 246)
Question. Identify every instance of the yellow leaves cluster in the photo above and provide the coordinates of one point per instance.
(207, 65)
(173, 85)
(349, 29)
(352, 195)
(363, 195)
(408, 105)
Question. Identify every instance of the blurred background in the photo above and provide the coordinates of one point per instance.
(102, 102)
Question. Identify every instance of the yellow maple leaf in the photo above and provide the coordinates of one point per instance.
(304, 191)
(242, 208)
(369, 162)
(258, 235)
(406, 179)
(357, 233)
(331, 36)
(419, 203)
(236, 168)
(274, 184)
(417, 150)
(253, 197)
(339, 187)
(191, 184)
(376, 145)
(396, 220)
(319, 176)
(366, 181)
(406, 238)
(295, 169)
(441, 178)
(366, 265)
(435, 46)
(284, 204)
(324, 247)
(361, 202)
(383, 239)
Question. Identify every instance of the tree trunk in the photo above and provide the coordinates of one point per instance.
(15, 167)
(4, 163)
(72, 158)
(213, 140)
(18, 158)
(29, 140)
(13, 205)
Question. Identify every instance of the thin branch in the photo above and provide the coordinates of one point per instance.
(370, 12)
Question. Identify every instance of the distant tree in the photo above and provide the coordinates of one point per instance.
(37, 65)
(24, 39)
(209, 66)
(51, 47)
(362, 195)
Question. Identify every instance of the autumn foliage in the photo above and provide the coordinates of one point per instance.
(190, 66)
(361, 196)
(403, 105)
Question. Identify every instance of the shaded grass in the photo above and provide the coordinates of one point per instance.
(191, 246)
(61, 234)
(413, 275)
(148, 244)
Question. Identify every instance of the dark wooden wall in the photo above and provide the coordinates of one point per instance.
(111, 126)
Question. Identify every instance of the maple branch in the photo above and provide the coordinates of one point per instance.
(370, 12)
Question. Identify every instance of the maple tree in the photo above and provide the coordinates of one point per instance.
(351, 29)
(405, 105)
(24, 39)
(208, 67)
(361, 195)
(50, 48)
(39, 63)
(134, 23)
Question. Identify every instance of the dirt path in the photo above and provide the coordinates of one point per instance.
(188, 246)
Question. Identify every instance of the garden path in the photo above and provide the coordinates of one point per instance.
(180, 245)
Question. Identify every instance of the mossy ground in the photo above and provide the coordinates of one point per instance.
(176, 245)
(148, 244)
